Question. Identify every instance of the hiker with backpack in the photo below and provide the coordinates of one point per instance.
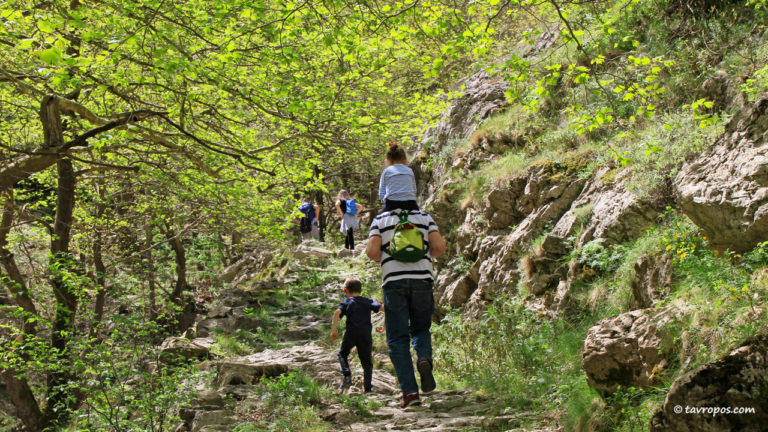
(309, 224)
(397, 184)
(404, 242)
(348, 210)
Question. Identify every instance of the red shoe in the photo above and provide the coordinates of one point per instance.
(410, 400)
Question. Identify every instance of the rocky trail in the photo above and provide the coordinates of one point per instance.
(231, 397)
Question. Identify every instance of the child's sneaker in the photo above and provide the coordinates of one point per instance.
(425, 371)
(410, 400)
(346, 384)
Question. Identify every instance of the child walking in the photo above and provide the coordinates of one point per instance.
(358, 310)
(397, 185)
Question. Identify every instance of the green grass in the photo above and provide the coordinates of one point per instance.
(519, 359)
(294, 402)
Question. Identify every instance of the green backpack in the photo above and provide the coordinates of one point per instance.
(407, 244)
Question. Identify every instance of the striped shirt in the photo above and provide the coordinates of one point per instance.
(397, 183)
(383, 225)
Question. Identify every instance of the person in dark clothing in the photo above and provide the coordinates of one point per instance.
(358, 310)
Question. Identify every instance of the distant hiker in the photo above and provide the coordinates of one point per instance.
(397, 185)
(348, 210)
(408, 297)
(309, 224)
(358, 310)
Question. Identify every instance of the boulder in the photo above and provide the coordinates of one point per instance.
(346, 253)
(738, 380)
(253, 262)
(306, 250)
(653, 280)
(458, 292)
(248, 294)
(176, 347)
(628, 350)
(724, 190)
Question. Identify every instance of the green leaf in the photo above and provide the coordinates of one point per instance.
(51, 56)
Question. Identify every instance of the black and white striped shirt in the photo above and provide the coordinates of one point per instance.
(383, 225)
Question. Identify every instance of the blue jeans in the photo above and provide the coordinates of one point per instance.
(408, 307)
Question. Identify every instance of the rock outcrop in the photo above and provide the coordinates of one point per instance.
(653, 280)
(724, 190)
(512, 215)
(630, 349)
(737, 381)
(482, 95)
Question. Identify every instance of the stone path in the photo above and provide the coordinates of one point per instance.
(236, 378)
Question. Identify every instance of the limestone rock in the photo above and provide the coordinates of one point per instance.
(214, 420)
(605, 209)
(530, 191)
(311, 358)
(546, 198)
(346, 253)
(443, 205)
(738, 380)
(629, 349)
(305, 250)
(543, 273)
(250, 263)
(653, 280)
(175, 347)
(458, 292)
(483, 94)
(247, 294)
(722, 91)
(724, 190)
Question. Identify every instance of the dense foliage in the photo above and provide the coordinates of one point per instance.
(144, 144)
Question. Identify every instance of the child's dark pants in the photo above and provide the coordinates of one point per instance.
(390, 205)
(364, 344)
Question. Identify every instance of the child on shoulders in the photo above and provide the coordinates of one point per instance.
(397, 185)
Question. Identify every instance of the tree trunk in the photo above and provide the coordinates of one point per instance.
(15, 281)
(60, 398)
(98, 263)
(27, 409)
(181, 266)
(100, 279)
(150, 263)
